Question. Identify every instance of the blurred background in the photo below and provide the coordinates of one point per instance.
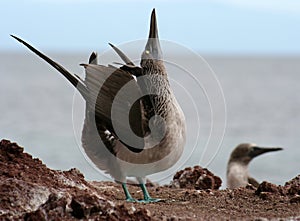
(252, 47)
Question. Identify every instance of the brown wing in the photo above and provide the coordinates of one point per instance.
(147, 99)
(75, 80)
(253, 182)
(114, 96)
(99, 89)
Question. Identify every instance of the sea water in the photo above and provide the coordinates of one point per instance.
(41, 111)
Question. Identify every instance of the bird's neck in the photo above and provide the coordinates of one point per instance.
(161, 95)
(154, 82)
(237, 165)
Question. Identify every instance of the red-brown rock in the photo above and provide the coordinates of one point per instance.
(267, 187)
(31, 191)
(196, 178)
(293, 186)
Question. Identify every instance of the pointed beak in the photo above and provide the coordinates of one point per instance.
(256, 151)
(153, 47)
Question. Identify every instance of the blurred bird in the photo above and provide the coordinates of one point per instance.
(133, 124)
(237, 167)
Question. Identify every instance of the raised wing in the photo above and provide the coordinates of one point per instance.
(75, 80)
(101, 90)
(116, 102)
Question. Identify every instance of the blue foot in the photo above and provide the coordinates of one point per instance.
(149, 200)
(127, 194)
(147, 197)
(131, 200)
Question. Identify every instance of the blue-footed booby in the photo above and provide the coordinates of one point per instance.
(133, 124)
(237, 167)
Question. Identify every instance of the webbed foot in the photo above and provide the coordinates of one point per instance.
(149, 200)
(131, 200)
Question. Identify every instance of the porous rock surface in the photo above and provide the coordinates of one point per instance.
(196, 178)
(31, 191)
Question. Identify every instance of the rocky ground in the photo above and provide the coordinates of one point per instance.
(31, 191)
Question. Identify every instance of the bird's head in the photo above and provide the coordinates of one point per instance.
(245, 152)
(152, 52)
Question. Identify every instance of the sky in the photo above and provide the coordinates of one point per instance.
(209, 27)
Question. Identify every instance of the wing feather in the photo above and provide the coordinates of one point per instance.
(110, 102)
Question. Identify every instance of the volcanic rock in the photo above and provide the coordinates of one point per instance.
(196, 178)
(31, 191)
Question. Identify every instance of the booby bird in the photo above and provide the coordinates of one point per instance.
(237, 167)
(133, 124)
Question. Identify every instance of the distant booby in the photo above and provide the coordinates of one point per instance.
(133, 124)
(237, 167)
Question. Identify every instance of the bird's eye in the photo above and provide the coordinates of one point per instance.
(147, 52)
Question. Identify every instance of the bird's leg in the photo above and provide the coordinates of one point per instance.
(127, 194)
(147, 197)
